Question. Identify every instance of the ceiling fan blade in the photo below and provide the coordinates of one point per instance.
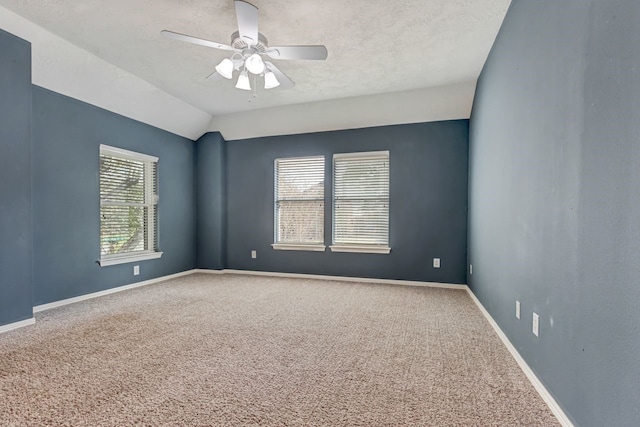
(247, 16)
(195, 40)
(285, 82)
(318, 52)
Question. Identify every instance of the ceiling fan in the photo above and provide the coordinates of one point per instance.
(249, 47)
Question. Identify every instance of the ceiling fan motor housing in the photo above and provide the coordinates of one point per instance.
(240, 43)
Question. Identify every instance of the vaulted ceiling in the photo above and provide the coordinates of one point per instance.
(375, 47)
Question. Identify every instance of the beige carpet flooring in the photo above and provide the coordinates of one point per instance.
(235, 350)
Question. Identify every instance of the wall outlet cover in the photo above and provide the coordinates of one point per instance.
(254, 254)
(436, 263)
(470, 269)
(136, 270)
(536, 324)
(517, 309)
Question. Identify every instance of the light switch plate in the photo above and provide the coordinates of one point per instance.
(536, 324)
(254, 254)
(517, 309)
(436, 263)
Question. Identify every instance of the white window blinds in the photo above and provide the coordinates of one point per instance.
(128, 203)
(361, 199)
(299, 200)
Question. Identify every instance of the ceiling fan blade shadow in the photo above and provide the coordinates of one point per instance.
(314, 52)
(214, 76)
(247, 16)
(285, 82)
(195, 40)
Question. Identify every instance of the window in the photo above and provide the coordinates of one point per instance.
(361, 202)
(128, 206)
(299, 203)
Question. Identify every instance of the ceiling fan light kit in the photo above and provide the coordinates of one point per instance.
(248, 47)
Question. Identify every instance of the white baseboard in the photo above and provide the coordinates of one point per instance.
(344, 279)
(16, 325)
(203, 271)
(55, 304)
(535, 381)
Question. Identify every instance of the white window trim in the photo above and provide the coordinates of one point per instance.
(131, 155)
(108, 260)
(362, 249)
(366, 155)
(123, 259)
(298, 247)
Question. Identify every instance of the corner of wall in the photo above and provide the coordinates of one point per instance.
(210, 182)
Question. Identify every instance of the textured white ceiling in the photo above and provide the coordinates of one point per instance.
(374, 46)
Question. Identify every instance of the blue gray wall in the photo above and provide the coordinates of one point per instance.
(428, 202)
(67, 134)
(555, 199)
(211, 201)
(15, 179)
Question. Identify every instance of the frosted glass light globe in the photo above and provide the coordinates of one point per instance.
(270, 80)
(243, 81)
(254, 64)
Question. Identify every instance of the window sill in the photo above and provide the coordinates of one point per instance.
(299, 247)
(362, 249)
(115, 260)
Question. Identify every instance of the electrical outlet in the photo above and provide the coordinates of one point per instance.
(470, 269)
(517, 309)
(436, 263)
(136, 270)
(536, 324)
(254, 254)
